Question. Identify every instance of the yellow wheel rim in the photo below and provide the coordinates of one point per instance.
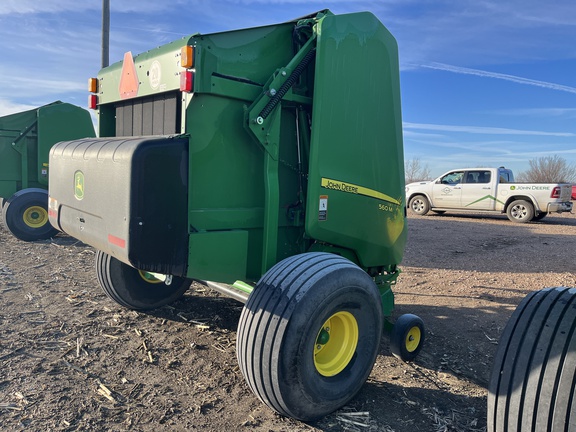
(335, 344)
(149, 277)
(35, 217)
(413, 339)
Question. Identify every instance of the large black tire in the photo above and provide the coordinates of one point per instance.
(407, 337)
(134, 289)
(25, 215)
(419, 204)
(309, 334)
(520, 211)
(532, 386)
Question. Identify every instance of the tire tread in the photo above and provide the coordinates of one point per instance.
(534, 374)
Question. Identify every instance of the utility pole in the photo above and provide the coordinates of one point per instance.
(105, 33)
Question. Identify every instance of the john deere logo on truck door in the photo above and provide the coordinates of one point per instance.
(79, 185)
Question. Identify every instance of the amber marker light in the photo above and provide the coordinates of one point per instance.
(93, 85)
(187, 54)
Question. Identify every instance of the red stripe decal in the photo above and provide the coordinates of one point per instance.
(53, 213)
(117, 241)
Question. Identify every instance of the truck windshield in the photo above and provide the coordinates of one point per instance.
(452, 178)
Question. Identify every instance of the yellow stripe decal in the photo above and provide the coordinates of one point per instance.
(355, 189)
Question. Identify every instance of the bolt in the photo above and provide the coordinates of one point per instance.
(318, 346)
(259, 120)
(283, 73)
(272, 92)
(327, 329)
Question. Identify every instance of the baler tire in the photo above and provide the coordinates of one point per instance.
(407, 337)
(282, 351)
(128, 287)
(25, 215)
(533, 379)
(419, 204)
(520, 211)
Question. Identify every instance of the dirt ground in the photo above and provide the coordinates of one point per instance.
(71, 359)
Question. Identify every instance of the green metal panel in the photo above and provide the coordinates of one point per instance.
(356, 179)
(17, 135)
(60, 122)
(26, 139)
(230, 173)
(157, 72)
(218, 255)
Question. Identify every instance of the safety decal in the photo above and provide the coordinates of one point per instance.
(323, 208)
(155, 75)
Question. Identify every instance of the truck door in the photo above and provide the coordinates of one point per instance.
(447, 190)
(478, 190)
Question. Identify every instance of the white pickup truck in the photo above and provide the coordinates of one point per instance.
(488, 190)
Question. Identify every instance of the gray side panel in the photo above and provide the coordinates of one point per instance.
(154, 115)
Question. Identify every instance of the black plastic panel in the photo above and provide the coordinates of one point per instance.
(135, 198)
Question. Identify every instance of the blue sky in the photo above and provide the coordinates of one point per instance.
(484, 82)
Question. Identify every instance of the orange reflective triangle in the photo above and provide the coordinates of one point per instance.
(129, 78)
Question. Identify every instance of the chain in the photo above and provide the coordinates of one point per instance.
(293, 168)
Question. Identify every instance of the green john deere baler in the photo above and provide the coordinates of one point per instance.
(269, 162)
(25, 142)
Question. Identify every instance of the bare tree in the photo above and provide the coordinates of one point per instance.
(414, 171)
(549, 169)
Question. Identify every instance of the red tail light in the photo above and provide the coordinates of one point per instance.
(186, 81)
(93, 101)
(555, 192)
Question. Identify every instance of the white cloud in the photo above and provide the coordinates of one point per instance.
(8, 107)
(506, 77)
(538, 112)
(58, 6)
(51, 6)
(483, 130)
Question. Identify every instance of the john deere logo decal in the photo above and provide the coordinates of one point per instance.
(79, 185)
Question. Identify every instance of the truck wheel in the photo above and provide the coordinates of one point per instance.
(26, 215)
(520, 211)
(407, 337)
(136, 289)
(309, 334)
(419, 204)
(532, 385)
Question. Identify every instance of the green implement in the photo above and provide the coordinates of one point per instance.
(25, 142)
(269, 162)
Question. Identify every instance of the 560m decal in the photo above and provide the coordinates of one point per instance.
(358, 190)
